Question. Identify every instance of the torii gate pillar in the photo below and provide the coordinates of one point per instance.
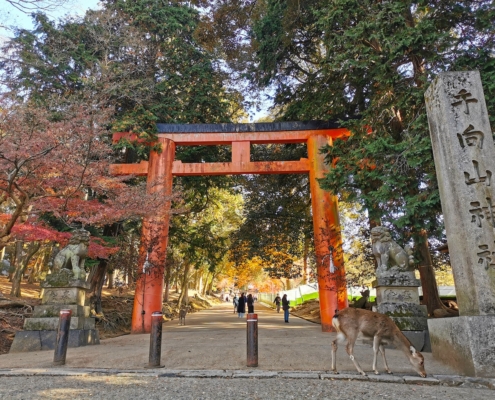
(154, 241)
(328, 240)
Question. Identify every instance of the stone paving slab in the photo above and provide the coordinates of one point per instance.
(298, 375)
(444, 380)
(206, 374)
(343, 377)
(386, 378)
(422, 381)
(255, 374)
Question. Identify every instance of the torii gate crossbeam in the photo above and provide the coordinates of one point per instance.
(162, 167)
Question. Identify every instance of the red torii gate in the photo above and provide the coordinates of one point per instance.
(161, 167)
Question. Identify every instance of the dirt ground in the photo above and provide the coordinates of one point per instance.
(310, 311)
(13, 310)
(115, 321)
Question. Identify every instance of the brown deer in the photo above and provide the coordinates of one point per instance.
(349, 322)
(182, 315)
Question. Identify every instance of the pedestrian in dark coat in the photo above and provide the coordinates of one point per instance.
(250, 303)
(285, 307)
(277, 302)
(241, 307)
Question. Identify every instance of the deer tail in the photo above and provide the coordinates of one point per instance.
(335, 321)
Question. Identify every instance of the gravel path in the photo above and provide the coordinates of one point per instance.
(139, 387)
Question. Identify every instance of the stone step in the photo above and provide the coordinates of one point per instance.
(45, 340)
(49, 324)
(53, 310)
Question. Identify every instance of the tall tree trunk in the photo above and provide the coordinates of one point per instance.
(15, 258)
(37, 266)
(111, 276)
(210, 285)
(183, 297)
(431, 298)
(205, 283)
(97, 279)
(306, 271)
(166, 292)
(22, 261)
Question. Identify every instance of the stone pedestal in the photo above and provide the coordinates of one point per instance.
(40, 331)
(465, 343)
(398, 298)
(464, 154)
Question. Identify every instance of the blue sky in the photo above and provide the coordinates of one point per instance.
(10, 16)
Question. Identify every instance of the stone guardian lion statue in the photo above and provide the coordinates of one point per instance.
(390, 257)
(73, 255)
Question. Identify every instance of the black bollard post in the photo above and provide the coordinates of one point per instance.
(156, 339)
(252, 340)
(62, 337)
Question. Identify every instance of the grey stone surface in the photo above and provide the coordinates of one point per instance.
(206, 374)
(53, 310)
(397, 294)
(419, 339)
(254, 374)
(45, 318)
(299, 375)
(386, 378)
(51, 323)
(422, 381)
(347, 377)
(402, 280)
(465, 343)
(464, 156)
(26, 341)
(64, 295)
(407, 316)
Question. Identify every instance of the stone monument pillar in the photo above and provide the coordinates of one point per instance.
(397, 288)
(464, 157)
(64, 289)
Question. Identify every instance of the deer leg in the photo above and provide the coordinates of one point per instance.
(376, 346)
(382, 350)
(334, 356)
(350, 351)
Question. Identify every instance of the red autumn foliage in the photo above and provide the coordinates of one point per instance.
(62, 167)
(34, 231)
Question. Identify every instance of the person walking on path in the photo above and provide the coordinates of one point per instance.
(241, 306)
(277, 302)
(285, 307)
(250, 303)
(236, 303)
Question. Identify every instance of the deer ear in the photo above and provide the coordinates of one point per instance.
(412, 350)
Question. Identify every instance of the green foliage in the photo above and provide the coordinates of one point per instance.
(201, 237)
(368, 63)
(278, 223)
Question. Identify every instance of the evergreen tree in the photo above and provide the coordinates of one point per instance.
(369, 62)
